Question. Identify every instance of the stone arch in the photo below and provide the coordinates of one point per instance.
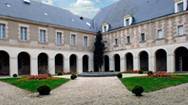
(161, 60)
(129, 62)
(117, 62)
(85, 63)
(73, 63)
(24, 63)
(106, 63)
(59, 64)
(4, 63)
(144, 61)
(181, 59)
(43, 63)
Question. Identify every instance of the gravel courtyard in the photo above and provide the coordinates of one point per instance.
(93, 91)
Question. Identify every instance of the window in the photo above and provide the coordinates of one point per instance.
(73, 40)
(2, 31)
(180, 30)
(116, 42)
(128, 40)
(160, 34)
(85, 43)
(128, 20)
(180, 6)
(142, 38)
(59, 38)
(105, 27)
(23, 33)
(43, 38)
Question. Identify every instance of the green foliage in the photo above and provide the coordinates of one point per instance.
(44, 90)
(138, 90)
(73, 76)
(152, 83)
(150, 73)
(15, 75)
(119, 75)
(98, 51)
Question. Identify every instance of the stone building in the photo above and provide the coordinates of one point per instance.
(36, 38)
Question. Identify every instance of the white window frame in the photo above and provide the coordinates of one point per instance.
(62, 38)
(46, 37)
(6, 30)
(157, 34)
(130, 18)
(72, 33)
(178, 31)
(178, 2)
(107, 27)
(87, 45)
(19, 32)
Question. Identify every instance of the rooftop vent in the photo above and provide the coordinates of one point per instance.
(7, 4)
(27, 1)
(81, 18)
(46, 14)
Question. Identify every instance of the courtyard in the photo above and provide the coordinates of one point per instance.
(94, 91)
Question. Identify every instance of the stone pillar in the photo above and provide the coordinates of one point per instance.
(152, 64)
(66, 62)
(79, 65)
(51, 66)
(34, 66)
(123, 67)
(136, 63)
(111, 58)
(91, 63)
(171, 63)
(13, 66)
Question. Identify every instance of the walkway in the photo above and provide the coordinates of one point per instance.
(94, 91)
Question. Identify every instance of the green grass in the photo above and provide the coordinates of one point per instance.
(152, 84)
(32, 85)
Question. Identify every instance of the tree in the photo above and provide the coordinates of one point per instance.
(98, 52)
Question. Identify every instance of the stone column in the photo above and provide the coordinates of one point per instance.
(152, 63)
(66, 65)
(13, 65)
(51, 66)
(171, 63)
(111, 58)
(123, 67)
(91, 63)
(136, 63)
(79, 65)
(34, 66)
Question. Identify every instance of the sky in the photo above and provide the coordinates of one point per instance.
(85, 8)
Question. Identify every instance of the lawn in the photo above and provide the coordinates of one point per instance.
(32, 85)
(152, 83)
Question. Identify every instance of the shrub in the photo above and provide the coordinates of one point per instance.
(150, 73)
(60, 73)
(138, 90)
(15, 75)
(73, 76)
(44, 90)
(140, 72)
(119, 75)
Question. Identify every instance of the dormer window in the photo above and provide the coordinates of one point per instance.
(105, 27)
(180, 5)
(128, 20)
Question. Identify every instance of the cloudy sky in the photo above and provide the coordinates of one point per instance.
(86, 8)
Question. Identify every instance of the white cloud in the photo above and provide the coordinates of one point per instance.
(84, 8)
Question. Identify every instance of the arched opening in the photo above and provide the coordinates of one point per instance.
(4, 63)
(23, 63)
(161, 60)
(106, 63)
(43, 63)
(59, 63)
(73, 64)
(85, 62)
(117, 62)
(181, 59)
(129, 62)
(143, 57)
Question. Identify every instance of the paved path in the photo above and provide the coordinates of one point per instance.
(94, 91)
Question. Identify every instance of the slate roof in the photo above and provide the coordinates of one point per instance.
(140, 10)
(36, 12)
